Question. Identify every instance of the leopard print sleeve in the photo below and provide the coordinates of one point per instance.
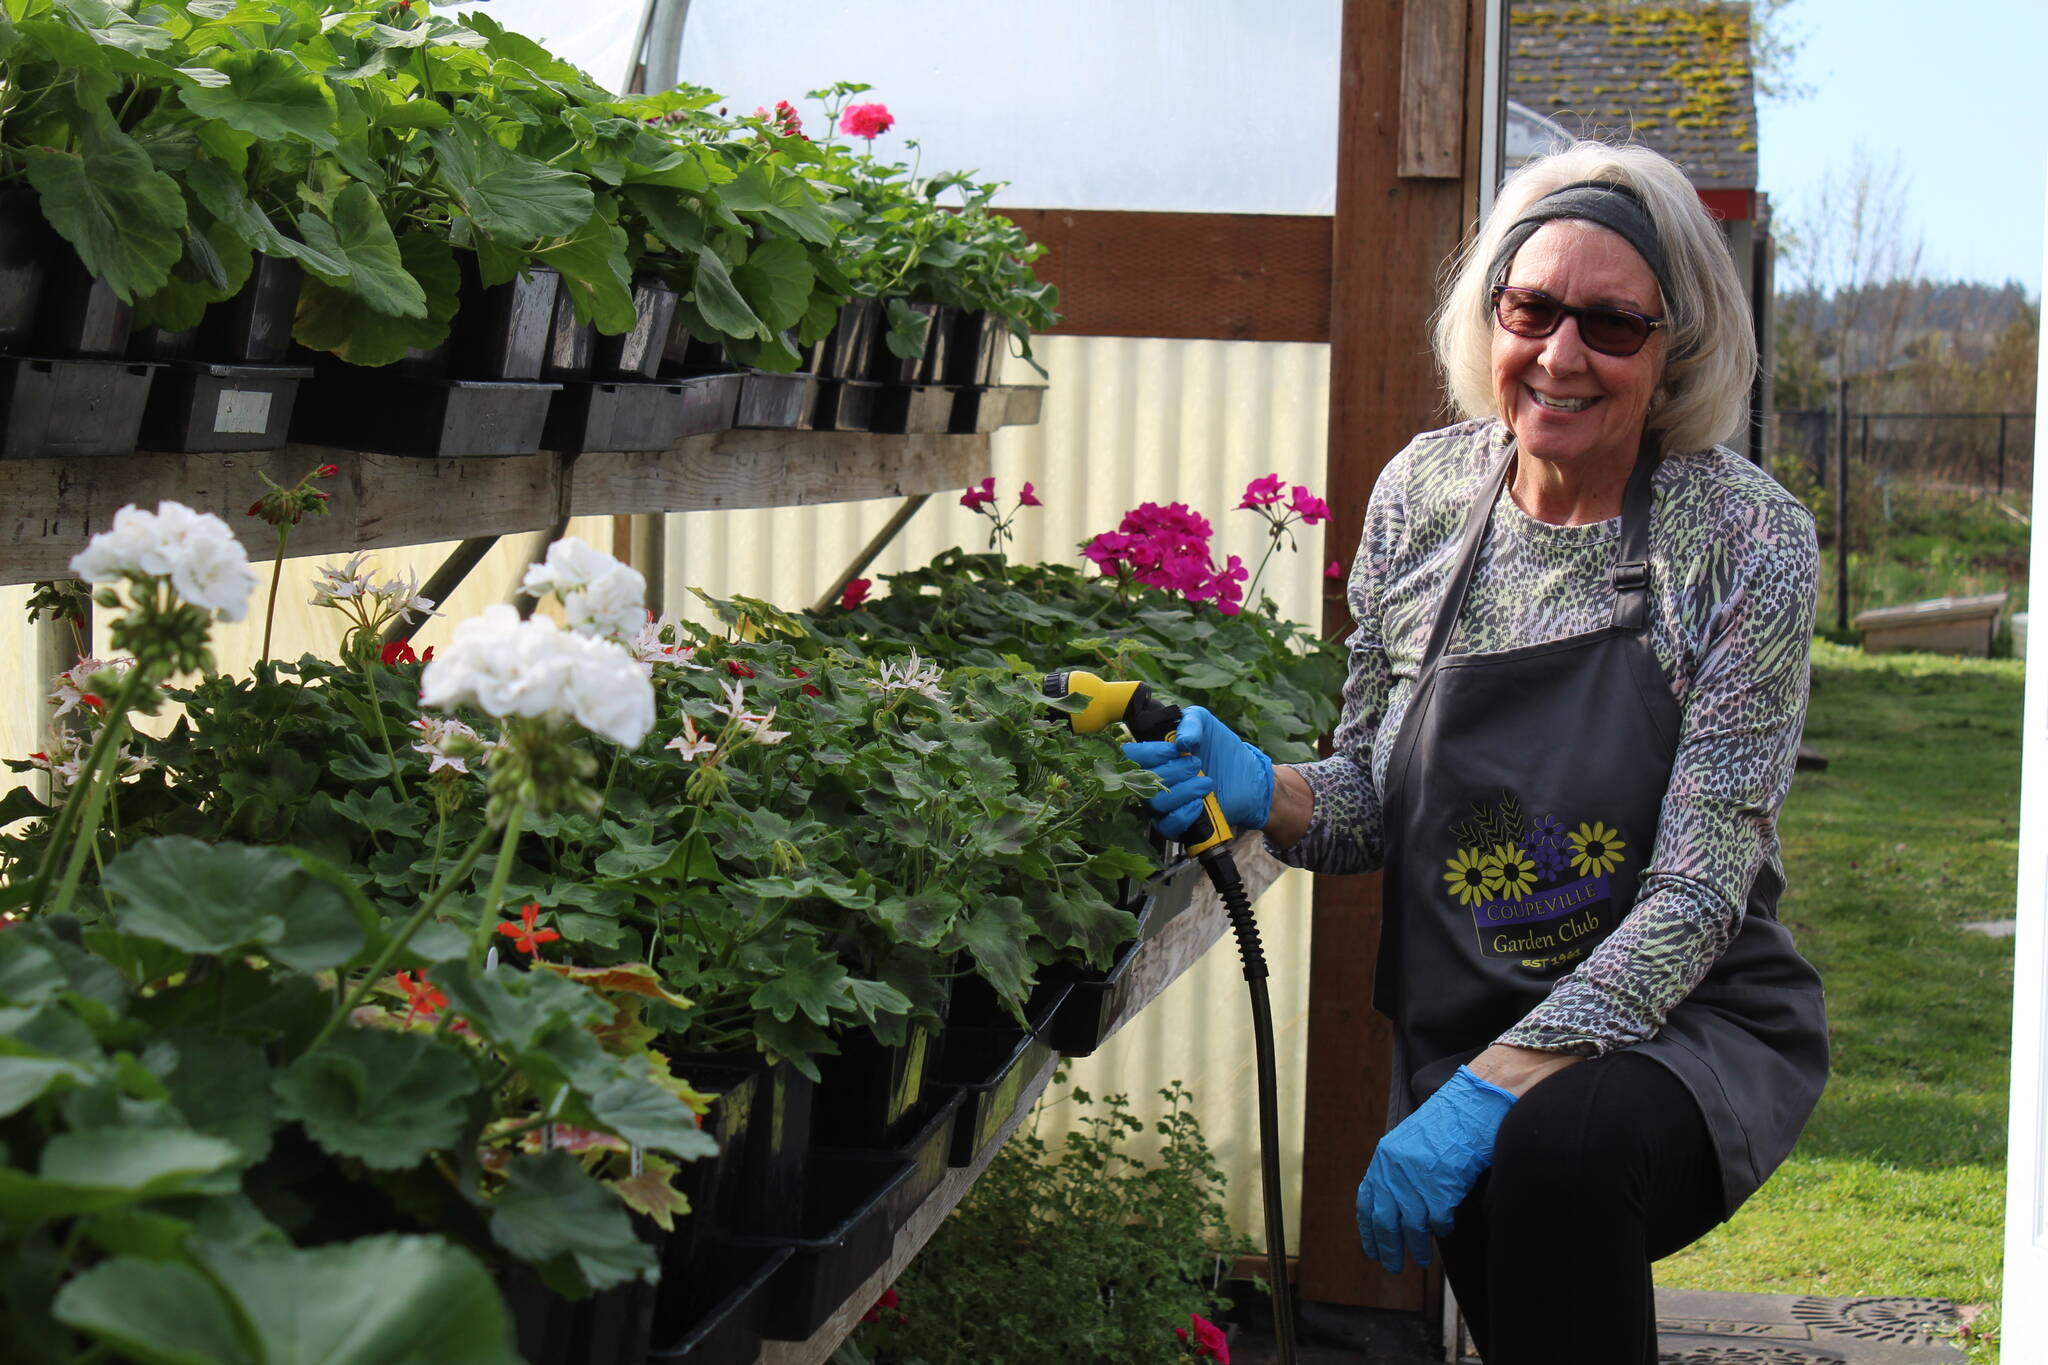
(1745, 609)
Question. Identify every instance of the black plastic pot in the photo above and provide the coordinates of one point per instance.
(871, 1095)
(724, 1308)
(502, 332)
(710, 403)
(154, 343)
(570, 343)
(682, 353)
(70, 408)
(883, 364)
(396, 414)
(842, 354)
(914, 408)
(194, 405)
(845, 405)
(975, 349)
(27, 247)
(938, 346)
(637, 354)
(255, 326)
(600, 416)
(1170, 891)
(716, 1186)
(780, 402)
(926, 1150)
(845, 1237)
(610, 1327)
(1096, 1000)
(80, 317)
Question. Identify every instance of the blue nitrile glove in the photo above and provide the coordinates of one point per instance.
(1424, 1169)
(1205, 756)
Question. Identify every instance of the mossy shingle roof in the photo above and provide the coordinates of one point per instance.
(1673, 74)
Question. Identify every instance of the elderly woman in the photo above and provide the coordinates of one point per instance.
(1575, 696)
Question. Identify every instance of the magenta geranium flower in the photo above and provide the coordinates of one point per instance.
(1335, 570)
(866, 120)
(1027, 498)
(1261, 492)
(974, 499)
(1310, 508)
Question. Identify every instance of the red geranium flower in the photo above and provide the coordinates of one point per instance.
(866, 120)
(399, 652)
(890, 1300)
(1208, 1341)
(738, 669)
(524, 936)
(810, 689)
(425, 998)
(855, 593)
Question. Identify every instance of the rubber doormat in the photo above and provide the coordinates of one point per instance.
(1695, 1328)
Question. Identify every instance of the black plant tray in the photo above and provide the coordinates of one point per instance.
(872, 1095)
(978, 410)
(845, 405)
(927, 1151)
(884, 365)
(1171, 890)
(725, 1308)
(990, 1066)
(1022, 404)
(843, 351)
(782, 402)
(710, 402)
(908, 408)
(716, 1186)
(607, 416)
(70, 408)
(1096, 999)
(407, 415)
(844, 1239)
(197, 406)
(974, 352)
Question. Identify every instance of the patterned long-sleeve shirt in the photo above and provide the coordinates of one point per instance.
(1733, 569)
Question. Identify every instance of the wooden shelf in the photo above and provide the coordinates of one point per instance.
(53, 507)
(1160, 962)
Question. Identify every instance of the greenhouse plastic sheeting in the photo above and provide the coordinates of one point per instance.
(1196, 106)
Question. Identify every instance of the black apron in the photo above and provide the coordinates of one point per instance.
(1522, 799)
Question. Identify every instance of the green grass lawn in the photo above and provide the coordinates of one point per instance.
(1898, 1186)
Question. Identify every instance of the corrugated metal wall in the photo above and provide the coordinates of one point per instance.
(1125, 421)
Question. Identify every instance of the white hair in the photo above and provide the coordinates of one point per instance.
(1710, 347)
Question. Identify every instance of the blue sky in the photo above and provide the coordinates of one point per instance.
(1956, 90)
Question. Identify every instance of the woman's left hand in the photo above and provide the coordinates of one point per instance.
(1426, 1166)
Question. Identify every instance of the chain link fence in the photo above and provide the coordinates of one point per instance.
(1967, 454)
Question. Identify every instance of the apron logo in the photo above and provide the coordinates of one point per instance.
(1536, 890)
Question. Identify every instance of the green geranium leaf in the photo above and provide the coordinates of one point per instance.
(720, 301)
(517, 1010)
(124, 217)
(510, 196)
(640, 1111)
(214, 898)
(776, 281)
(386, 1099)
(24, 1080)
(907, 328)
(219, 188)
(877, 999)
(806, 980)
(268, 95)
(388, 1300)
(554, 1216)
(995, 931)
(337, 320)
(360, 233)
(675, 223)
(592, 262)
(156, 1312)
(222, 1087)
(137, 1161)
(381, 812)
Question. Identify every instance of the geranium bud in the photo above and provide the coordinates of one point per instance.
(326, 471)
(738, 669)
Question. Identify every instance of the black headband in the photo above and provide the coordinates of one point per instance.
(1607, 203)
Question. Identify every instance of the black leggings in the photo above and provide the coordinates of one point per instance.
(1598, 1171)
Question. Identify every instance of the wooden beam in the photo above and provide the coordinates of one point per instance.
(1220, 276)
(1392, 235)
(1432, 89)
(53, 507)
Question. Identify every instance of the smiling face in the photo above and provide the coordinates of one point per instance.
(1568, 405)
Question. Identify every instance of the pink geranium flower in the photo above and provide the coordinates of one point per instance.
(1261, 492)
(866, 120)
(1208, 1340)
(1310, 508)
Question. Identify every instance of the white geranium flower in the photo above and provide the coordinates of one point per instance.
(600, 595)
(450, 744)
(86, 682)
(909, 675)
(647, 646)
(689, 743)
(508, 667)
(195, 550)
(756, 727)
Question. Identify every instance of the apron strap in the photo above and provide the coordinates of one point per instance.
(1630, 575)
(1631, 572)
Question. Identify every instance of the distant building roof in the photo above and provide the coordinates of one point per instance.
(1673, 74)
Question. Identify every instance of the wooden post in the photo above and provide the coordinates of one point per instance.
(1391, 235)
(1841, 504)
